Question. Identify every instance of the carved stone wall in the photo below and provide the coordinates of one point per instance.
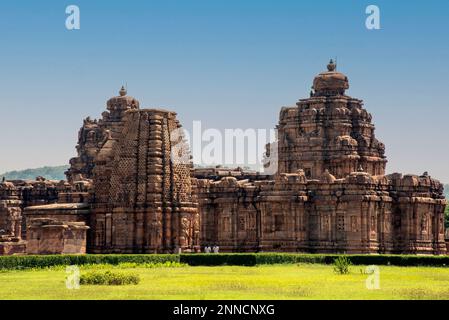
(358, 214)
(10, 212)
(43, 192)
(143, 201)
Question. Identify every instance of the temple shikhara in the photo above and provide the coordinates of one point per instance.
(330, 194)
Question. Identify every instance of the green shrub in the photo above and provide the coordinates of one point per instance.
(166, 264)
(232, 259)
(289, 258)
(109, 278)
(239, 259)
(341, 265)
(44, 261)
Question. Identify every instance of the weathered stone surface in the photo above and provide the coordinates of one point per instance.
(62, 212)
(10, 211)
(142, 200)
(8, 248)
(49, 236)
(94, 134)
(329, 131)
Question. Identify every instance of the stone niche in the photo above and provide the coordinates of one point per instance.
(50, 236)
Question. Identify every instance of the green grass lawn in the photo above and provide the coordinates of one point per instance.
(304, 281)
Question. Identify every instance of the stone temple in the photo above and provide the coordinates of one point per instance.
(125, 194)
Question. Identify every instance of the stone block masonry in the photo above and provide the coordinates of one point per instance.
(125, 194)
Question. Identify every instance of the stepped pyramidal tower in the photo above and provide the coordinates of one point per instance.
(329, 131)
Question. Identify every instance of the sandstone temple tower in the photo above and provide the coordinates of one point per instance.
(142, 201)
(329, 131)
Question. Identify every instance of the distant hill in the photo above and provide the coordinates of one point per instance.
(446, 191)
(50, 173)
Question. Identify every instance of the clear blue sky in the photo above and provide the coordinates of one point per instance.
(229, 63)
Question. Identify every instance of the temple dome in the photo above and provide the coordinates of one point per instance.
(121, 103)
(331, 82)
(124, 100)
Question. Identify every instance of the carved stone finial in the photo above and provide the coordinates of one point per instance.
(123, 91)
(3, 179)
(331, 66)
(425, 174)
(360, 169)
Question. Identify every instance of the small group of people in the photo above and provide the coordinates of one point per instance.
(214, 249)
